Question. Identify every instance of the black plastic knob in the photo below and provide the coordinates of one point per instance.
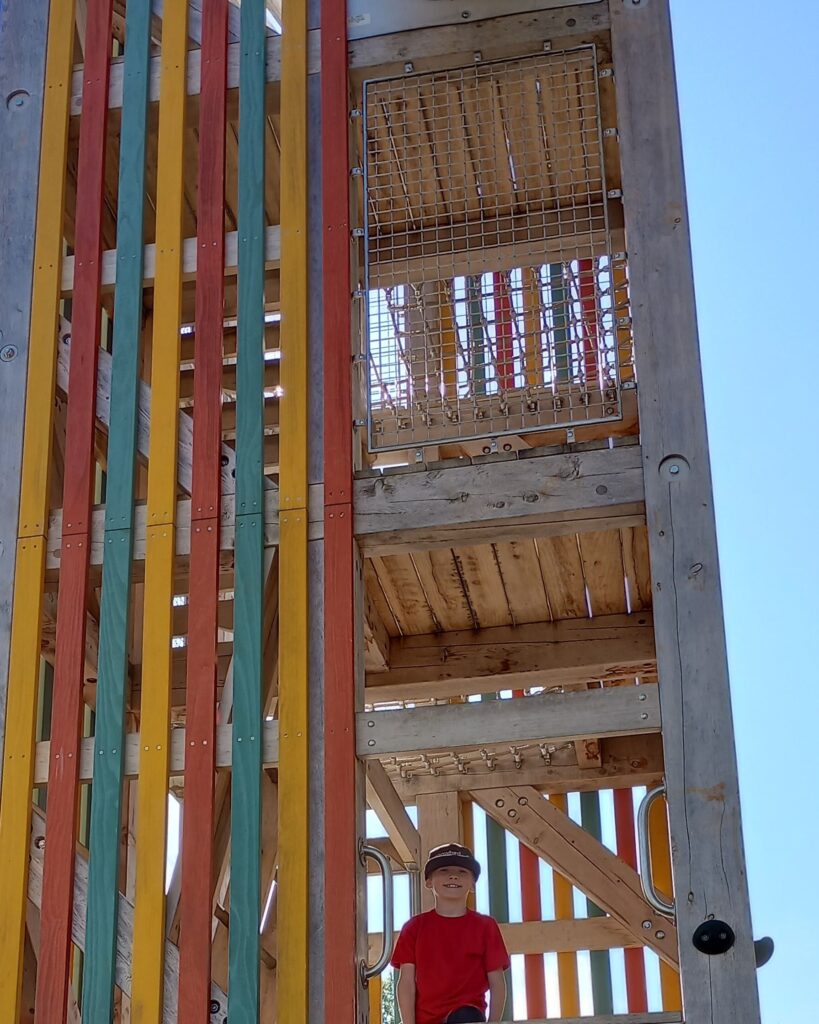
(714, 938)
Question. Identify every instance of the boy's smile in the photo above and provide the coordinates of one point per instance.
(451, 886)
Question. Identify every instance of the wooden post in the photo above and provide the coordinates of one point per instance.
(198, 823)
(294, 576)
(700, 763)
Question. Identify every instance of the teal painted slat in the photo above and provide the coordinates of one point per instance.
(115, 607)
(600, 960)
(476, 335)
(245, 910)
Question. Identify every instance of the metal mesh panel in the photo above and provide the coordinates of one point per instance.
(495, 304)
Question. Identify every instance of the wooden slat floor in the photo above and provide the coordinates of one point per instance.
(533, 580)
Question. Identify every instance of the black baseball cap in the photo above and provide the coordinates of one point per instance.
(451, 855)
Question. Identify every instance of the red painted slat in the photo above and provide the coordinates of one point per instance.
(627, 851)
(530, 904)
(588, 300)
(339, 665)
(197, 835)
(58, 867)
(338, 418)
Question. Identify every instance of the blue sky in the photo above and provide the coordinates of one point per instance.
(747, 86)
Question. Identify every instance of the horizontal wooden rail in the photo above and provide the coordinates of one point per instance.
(547, 718)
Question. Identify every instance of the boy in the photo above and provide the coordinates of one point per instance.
(449, 956)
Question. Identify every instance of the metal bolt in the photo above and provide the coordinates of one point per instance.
(641, 696)
(644, 716)
(673, 470)
(647, 925)
(409, 67)
(8, 352)
(466, 14)
(660, 935)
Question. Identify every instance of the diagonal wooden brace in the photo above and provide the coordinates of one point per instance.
(586, 863)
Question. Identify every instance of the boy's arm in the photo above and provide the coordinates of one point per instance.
(497, 994)
(405, 991)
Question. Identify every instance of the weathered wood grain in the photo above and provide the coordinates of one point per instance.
(701, 773)
(497, 501)
(549, 717)
(515, 657)
(583, 860)
(124, 926)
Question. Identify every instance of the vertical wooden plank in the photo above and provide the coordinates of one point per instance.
(58, 875)
(293, 601)
(636, 993)
(198, 823)
(703, 792)
(23, 32)
(534, 967)
(152, 795)
(23, 62)
(600, 960)
(564, 911)
(340, 813)
(245, 911)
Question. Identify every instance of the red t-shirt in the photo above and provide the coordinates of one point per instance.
(453, 957)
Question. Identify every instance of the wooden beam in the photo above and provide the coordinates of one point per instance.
(224, 733)
(376, 638)
(452, 44)
(515, 657)
(385, 801)
(549, 718)
(491, 501)
(527, 937)
(125, 925)
(585, 862)
(626, 761)
(710, 876)
(108, 267)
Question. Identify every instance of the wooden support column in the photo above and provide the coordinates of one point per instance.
(700, 761)
(439, 822)
(341, 812)
(294, 585)
(23, 31)
(200, 749)
(22, 65)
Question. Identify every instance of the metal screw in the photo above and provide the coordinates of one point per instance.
(647, 925)
(644, 716)
(642, 696)
(660, 935)
(8, 352)
(409, 67)
(673, 470)
(466, 14)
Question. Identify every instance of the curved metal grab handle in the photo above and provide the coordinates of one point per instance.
(653, 898)
(371, 971)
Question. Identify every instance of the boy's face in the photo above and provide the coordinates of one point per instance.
(451, 884)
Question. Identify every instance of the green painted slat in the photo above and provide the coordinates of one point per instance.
(600, 960)
(476, 335)
(560, 319)
(245, 910)
(115, 607)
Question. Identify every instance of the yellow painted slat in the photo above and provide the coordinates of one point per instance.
(149, 916)
(294, 851)
(449, 342)
(18, 766)
(293, 429)
(293, 574)
(152, 799)
(564, 911)
(662, 878)
(47, 267)
(374, 999)
(24, 656)
(533, 344)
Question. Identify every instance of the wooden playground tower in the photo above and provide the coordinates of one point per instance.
(349, 369)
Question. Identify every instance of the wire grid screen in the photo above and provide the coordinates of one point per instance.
(494, 302)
